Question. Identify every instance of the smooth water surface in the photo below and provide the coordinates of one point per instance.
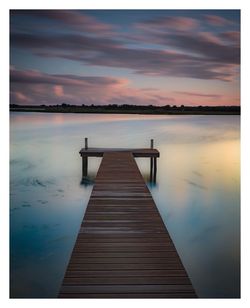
(197, 192)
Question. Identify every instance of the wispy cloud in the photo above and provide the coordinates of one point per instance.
(196, 94)
(36, 77)
(33, 87)
(58, 90)
(73, 19)
(18, 96)
(169, 23)
(210, 48)
(217, 21)
(155, 47)
(207, 55)
(231, 37)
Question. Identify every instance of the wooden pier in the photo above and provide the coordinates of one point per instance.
(123, 249)
(152, 153)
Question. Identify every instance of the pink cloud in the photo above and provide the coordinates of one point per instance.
(19, 97)
(207, 99)
(231, 37)
(173, 23)
(230, 72)
(36, 77)
(197, 94)
(58, 90)
(210, 37)
(181, 23)
(36, 88)
(215, 20)
(71, 18)
(196, 58)
(51, 89)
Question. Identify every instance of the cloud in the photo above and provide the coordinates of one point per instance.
(184, 34)
(196, 98)
(209, 37)
(43, 88)
(34, 87)
(58, 91)
(196, 94)
(205, 48)
(183, 49)
(66, 42)
(217, 21)
(18, 96)
(207, 54)
(70, 18)
(232, 37)
(36, 77)
(169, 23)
(205, 45)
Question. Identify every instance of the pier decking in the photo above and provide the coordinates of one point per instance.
(123, 249)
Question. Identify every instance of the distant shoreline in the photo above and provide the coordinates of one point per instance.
(130, 109)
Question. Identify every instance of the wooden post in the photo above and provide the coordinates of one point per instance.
(155, 168)
(151, 168)
(84, 166)
(85, 161)
(151, 160)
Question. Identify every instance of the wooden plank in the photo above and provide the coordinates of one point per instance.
(172, 259)
(136, 246)
(123, 249)
(112, 295)
(158, 288)
(124, 266)
(180, 280)
(117, 255)
(127, 273)
(139, 240)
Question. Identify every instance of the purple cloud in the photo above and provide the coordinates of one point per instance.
(183, 52)
(203, 45)
(169, 23)
(34, 87)
(231, 37)
(196, 94)
(217, 21)
(35, 77)
(70, 42)
(203, 63)
(71, 18)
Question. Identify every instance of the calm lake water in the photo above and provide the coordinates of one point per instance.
(197, 192)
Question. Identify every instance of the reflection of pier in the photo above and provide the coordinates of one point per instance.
(99, 152)
(123, 249)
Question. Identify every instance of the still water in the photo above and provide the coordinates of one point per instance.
(197, 192)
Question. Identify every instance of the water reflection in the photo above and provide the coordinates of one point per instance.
(197, 192)
(88, 180)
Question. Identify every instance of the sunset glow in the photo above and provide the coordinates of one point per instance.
(143, 57)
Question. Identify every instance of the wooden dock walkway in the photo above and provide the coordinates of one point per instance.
(123, 249)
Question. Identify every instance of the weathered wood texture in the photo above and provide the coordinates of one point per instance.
(123, 249)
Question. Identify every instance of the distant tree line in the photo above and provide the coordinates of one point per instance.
(126, 108)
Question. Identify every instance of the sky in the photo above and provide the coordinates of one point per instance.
(141, 57)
